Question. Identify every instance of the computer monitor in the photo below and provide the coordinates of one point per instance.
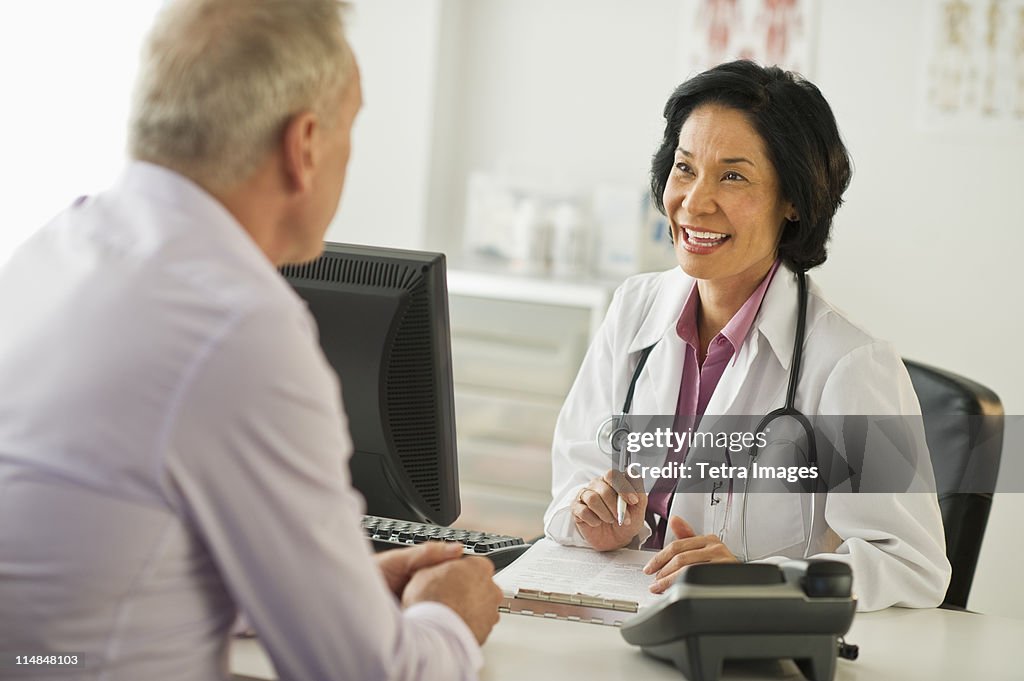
(383, 320)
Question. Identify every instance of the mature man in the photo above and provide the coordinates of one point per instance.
(172, 444)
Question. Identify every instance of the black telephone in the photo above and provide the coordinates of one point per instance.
(714, 612)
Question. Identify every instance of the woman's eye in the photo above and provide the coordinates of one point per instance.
(684, 168)
(733, 175)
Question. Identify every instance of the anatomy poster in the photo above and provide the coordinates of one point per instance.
(974, 68)
(766, 31)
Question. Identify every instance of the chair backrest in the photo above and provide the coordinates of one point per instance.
(963, 423)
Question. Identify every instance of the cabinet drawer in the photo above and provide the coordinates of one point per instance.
(526, 348)
(523, 467)
(485, 414)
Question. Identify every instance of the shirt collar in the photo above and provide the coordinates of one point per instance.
(736, 330)
(775, 320)
(183, 196)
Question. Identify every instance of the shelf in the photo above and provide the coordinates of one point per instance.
(592, 295)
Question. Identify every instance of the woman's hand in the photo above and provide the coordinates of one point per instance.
(595, 510)
(687, 549)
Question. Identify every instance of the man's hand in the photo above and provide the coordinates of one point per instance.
(596, 515)
(399, 565)
(687, 549)
(466, 586)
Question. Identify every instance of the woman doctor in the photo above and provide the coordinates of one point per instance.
(750, 172)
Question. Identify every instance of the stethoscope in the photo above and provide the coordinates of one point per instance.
(614, 431)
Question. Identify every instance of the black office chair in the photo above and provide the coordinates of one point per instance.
(963, 424)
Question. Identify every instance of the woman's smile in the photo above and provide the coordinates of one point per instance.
(701, 242)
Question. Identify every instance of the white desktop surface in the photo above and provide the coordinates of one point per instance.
(896, 644)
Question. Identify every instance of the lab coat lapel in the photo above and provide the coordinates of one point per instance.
(657, 388)
(770, 339)
(776, 320)
(775, 323)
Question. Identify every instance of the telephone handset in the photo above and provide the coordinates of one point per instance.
(717, 611)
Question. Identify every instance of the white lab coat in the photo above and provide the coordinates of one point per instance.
(893, 542)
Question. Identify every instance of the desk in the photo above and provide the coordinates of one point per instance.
(895, 644)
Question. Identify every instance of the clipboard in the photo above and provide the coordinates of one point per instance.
(576, 584)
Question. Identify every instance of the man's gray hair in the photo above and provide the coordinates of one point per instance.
(219, 79)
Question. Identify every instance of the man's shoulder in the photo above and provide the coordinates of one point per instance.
(176, 238)
(182, 271)
(222, 281)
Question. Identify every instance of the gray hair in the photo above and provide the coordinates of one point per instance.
(219, 79)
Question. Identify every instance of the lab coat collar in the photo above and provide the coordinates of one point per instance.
(776, 320)
(673, 288)
(658, 328)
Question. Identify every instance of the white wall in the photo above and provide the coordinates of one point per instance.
(933, 212)
(66, 68)
(385, 196)
(561, 95)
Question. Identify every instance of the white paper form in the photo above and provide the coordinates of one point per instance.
(549, 566)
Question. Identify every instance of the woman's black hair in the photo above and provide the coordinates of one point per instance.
(799, 133)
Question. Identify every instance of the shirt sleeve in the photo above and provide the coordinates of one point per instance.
(575, 457)
(893, 542)
(256, 459)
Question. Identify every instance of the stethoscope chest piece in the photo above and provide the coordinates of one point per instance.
(612, 434)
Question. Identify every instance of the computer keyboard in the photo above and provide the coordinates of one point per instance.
(388, 533)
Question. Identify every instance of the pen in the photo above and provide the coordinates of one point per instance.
(620, 506)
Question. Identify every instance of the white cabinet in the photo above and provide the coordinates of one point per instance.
(517, 344)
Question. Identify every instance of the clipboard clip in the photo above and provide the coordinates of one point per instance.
(573, 607)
